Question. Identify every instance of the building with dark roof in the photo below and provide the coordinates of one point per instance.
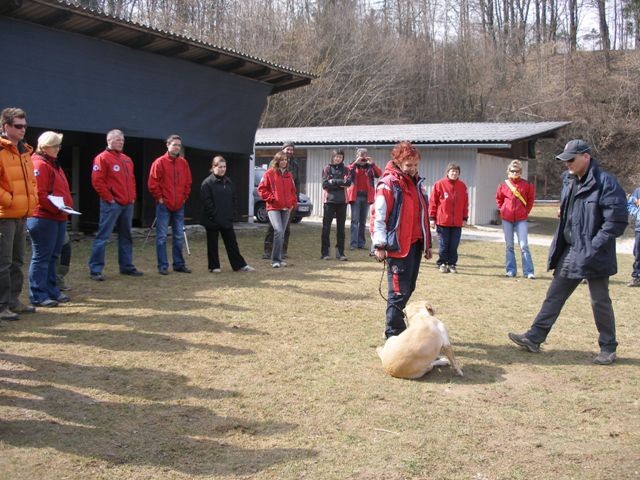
(483, 151)
(83, 73)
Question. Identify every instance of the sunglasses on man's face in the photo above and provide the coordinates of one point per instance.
(19, 126)
(514, 171)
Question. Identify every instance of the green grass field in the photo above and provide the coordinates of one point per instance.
(273, 375)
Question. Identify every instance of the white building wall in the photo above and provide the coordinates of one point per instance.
(493, 171)
(481, 173)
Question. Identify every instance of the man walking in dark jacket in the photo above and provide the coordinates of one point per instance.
(592, 214)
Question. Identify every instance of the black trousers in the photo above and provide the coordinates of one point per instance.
(339, 211)
(402, 275)
(268, 239)
(230, 244)
(559, 292)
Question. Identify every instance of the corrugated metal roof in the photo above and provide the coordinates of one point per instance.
(425, 133)
(65, 15)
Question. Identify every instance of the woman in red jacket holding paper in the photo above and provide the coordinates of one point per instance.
(48, 225)
(515, 197)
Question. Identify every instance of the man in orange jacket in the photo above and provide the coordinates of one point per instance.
(114, 181)
(17, 201)
(170, 185)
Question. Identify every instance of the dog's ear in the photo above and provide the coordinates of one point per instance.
(430, 309)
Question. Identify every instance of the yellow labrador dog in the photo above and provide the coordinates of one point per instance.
(415, 351)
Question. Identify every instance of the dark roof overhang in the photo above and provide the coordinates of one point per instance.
(63, 15)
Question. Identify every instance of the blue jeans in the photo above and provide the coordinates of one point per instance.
(448, 241)
(359, 213)
(521, 230)
(402, 274)
(47, 238)
(118, 217)
(164, 218)
(12, 244)
(279, 220)
(636, 256)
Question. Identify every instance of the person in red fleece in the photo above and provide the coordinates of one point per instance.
(360, 195)
(278, 189)
(170, 185)
(400, 230)
(448, 212)
(114, 181)
(515, 197)
(48, 225)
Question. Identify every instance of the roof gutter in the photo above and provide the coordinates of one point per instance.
(497, 146)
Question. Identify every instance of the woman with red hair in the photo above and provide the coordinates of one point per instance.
(400, 230)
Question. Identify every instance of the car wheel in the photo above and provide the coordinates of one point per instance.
(296, 219)
(261, 212)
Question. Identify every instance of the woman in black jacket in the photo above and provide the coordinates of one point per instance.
(218, 197)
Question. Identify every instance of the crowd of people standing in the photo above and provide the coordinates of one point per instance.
(35, 197)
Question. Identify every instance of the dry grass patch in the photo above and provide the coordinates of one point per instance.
(273, 374)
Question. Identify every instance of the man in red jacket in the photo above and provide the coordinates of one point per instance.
(114, 181)
(448, 212)
(170, 185)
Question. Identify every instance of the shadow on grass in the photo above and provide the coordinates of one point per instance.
(119, 340)
(508, 354)
(175, 437)
(136, 382)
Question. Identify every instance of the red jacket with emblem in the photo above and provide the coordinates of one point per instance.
(50, 180)
(449, 205)
(511, 207)
(278, 190)
(17, 183)
(113, 178)
(170, 180)
(362, 176)
(394, 225)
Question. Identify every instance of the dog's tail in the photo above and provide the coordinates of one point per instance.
(430, 309)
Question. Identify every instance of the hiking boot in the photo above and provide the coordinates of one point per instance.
(443, 268)
(22, 308)
(605, 358)
(524, 342)
(62, 298)
(635, 282)
(133, 273)
(6, 314)
(48, 303)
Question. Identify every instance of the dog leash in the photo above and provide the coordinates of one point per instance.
(384, 268)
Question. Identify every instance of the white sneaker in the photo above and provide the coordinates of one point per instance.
(443, 268)
(215, 270)
(283, 264)
(509, 275)
(276, 265)
(247, 268)
(452, 269)
(531, 276)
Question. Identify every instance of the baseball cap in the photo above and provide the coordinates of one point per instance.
(573, 148)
